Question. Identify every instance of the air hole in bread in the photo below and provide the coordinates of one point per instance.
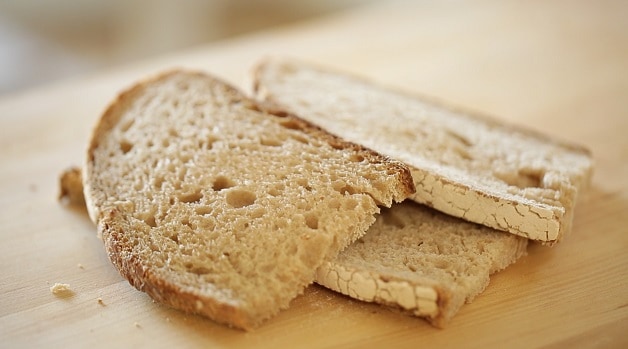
(196, 269)
(208, 143)
(348, 190)
(200, 270)
(165, 143)
(127, 125)
(337, 145)
(311, 220)
(524, 178)
(203, 210)
(194, 197)
(356, 158)
(270, 142)
(185, 221)
(291, 124)
(531, 178)
(300, 138)
(248, 105)
(222, 182)
(175, 238)
(258, 213)
(125, 146)
(173, 133)
(458, 138)
(304, 183)
(240, 198)
(275, 191)
(150, 221)
(463, 153)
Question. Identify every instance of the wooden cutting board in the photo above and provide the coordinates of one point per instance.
(560, 67)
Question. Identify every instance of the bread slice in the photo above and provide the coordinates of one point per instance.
(413, 258)
(215, 207)
(421, 261)
(466, 165)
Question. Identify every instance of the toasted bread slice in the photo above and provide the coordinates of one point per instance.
(215, 207)
(466, 165)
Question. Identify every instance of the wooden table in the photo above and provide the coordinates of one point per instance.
(557, 66)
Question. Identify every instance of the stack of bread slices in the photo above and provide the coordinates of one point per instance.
(228, 205)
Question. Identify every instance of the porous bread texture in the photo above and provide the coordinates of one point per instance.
(421, 261)
(214, 207)
(466, 165)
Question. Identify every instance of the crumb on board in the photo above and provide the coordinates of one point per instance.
(99, 300)
(61, 290)
(137, 324)
(80, 266)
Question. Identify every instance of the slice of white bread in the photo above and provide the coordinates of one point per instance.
(421, 261)
(215, 207)
(466, 165)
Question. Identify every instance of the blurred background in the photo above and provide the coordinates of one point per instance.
(45, 40)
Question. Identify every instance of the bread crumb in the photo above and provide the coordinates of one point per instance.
(99, 300)
(61, 290)
(80, 266)
(137, 324)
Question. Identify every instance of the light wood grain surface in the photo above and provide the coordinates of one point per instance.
(560, 67)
